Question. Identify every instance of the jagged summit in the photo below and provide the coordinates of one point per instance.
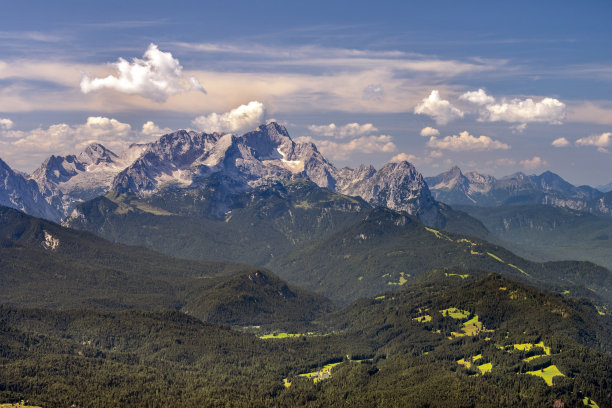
(456, 188)
(189, 159)
(18, 192)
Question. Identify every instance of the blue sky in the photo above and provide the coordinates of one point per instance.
(496, 87)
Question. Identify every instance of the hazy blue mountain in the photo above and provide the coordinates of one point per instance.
(606, 188)
(549, 233)
(455, 188)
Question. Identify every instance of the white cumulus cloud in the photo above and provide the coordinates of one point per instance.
(602, 141)
(560, 142)
(429, 131)
(342, 150)
(151, 129)
(548, 110)
(6, 123)
(404, 157)
(466, 142)
(243, 118)
(157, 76)
(478, 97)
(533, 163)
(29, 148)
(344, 131)
(439, 109)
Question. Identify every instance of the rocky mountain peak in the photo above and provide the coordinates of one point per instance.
(397, 185)
(20, 193)
(96, 154)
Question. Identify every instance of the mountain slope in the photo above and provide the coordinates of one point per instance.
(22, 194)
(66, 181)
(387, 249)
(264, 222)
(549, 233)
(45, 265)
(383, 354)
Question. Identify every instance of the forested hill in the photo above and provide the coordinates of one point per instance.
(452, 340)
(45, 265)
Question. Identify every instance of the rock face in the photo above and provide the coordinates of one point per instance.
(186, 159)
(22, 194)
(65, 181)
(234, 164)
(455, 188)
(398, 186)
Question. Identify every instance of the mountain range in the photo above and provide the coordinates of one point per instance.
(295, 270)
(453, 187)
(188, 159)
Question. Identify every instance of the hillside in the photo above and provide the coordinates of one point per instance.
(549, 233)
(388, 249)
(385, 351)
(45, 265)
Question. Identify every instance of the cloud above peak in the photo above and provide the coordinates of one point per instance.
(157, 76)
(344, 131)
(466, 142)
(548, 110)
(439, 109)
(241, 119)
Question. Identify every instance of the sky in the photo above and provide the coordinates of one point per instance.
(493, 87)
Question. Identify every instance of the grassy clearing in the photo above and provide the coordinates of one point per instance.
(455, 313)
(547, 374)
(438, 234)
(321, 374)
(483, 368)
(589, 402)
(529, 346)
(497, 258)
(284, 335)
(423, 319)
(402, 280)
(519, 269)
(472, 327)
(465, 276)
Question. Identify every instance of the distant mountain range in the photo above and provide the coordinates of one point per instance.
(187, 160)
(453, 187)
